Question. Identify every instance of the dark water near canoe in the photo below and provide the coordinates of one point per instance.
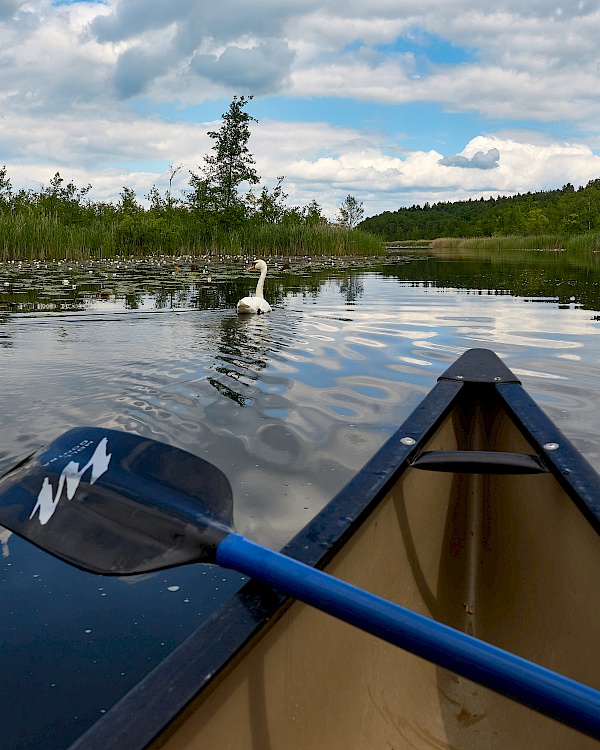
(288, 405)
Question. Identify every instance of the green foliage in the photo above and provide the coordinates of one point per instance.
(289, 239)
(313, 214)
(556, 212)
(128, 205)
(59, 222)
(215, 189)
(590, 241)
(5, 188)
(350, 213)
(269, 206)
(215, 218)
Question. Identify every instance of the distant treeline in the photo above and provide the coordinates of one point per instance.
(554, 212)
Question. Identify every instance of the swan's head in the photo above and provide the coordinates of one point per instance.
(259, 265)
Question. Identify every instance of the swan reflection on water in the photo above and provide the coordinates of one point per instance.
(240, 355)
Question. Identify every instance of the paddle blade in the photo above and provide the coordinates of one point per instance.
(117, 504)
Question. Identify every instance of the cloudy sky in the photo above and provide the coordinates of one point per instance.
(391, 101)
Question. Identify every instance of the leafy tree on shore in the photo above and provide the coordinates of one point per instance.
(313, 214)
(350, 213)
(215, 188)
(5, 187)
(64, 201)
(269, 206)
(128, 204)
(536, 221)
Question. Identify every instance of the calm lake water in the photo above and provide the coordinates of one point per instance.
(288, 405)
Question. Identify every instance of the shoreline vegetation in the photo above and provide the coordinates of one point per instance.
(32, 235)
(48, 226)
(566, 212)
(558, 242)
(214, 218)
(589, 242)
(226, 211)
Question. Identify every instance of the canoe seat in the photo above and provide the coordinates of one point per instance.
(479, 462)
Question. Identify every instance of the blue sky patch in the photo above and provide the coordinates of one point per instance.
(419, 126)
(426, 46)
(57, 3)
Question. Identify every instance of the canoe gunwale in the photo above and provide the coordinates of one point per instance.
(147, 710)
(572, 471)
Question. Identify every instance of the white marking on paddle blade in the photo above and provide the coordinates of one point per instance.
(47, 500)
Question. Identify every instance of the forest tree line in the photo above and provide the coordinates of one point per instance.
(565, 211)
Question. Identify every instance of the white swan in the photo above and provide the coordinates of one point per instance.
(257, 304)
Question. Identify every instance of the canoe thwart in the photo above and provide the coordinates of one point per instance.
(479, 462)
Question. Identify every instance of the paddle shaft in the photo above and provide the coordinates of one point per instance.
(548, 692)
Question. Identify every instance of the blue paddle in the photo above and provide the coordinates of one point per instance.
(118, 504)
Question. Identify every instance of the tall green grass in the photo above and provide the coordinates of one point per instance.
(44, 238)
(29, 235)
(300, 240)
(566, 252)
(589, 242)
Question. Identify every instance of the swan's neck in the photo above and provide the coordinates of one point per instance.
(261, 284)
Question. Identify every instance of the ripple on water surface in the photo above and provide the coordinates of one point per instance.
(288, 405)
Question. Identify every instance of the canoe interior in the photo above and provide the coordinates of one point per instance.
(510, 559)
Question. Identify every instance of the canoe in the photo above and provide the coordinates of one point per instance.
(477, 513)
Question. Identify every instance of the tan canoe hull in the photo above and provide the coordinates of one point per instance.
(512, 559)
(507, 559)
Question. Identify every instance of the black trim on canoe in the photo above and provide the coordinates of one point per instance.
(579, 480)
(479, 366)
(147, 710)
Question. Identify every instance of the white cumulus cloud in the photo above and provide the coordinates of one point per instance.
(94, 89)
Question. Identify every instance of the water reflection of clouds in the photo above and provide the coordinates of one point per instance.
(336, 377)
(317, 387)
(521, 373)
(414, 361)
(5, 535)
(510, 322)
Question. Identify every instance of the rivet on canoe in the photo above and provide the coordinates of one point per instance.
(550, 446)
(407, 441)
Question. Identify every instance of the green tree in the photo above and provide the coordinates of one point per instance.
(63, 201)
(5, 187)
(536, 221)
(313, 214)
(158, 204)
(128, 204)
(270, 206)
(574, 223)
(216, 186)
(350, 213)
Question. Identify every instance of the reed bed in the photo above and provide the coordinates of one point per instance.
(584, 242)
(560, 259)
(31, 236)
